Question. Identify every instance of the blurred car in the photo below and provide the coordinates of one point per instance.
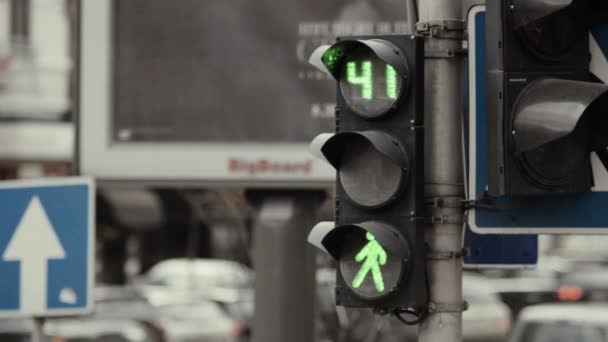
(199, 321)
(586, 284)
(521, 288)
(15, 330)
(562, 323)
(126, 303)
(98, 330)
(200, 273)
(488, 318)
(85, 329)
(228, 283)
(122, 314)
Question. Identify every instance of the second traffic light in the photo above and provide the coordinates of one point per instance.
(377, 150)
(541, 101)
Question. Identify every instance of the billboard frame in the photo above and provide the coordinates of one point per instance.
(256, 165)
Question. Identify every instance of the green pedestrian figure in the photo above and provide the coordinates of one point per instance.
(373, 256)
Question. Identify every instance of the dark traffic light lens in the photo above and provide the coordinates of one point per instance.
(553, 36)
(555, 163)
(368, 84)
(369, 178)
(369, 269)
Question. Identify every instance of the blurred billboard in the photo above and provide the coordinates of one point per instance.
(215, 91)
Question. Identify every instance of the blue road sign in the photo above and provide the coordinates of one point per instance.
(46, 247)
(574, 214)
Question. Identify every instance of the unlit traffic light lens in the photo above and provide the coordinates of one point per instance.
(368, 177)
(557, 162)
(551, 37)
(369, 85)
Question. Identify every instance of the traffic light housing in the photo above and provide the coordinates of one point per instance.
(541, 102)
(377, 238)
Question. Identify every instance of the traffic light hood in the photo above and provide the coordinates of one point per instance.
(550, 109)
(332, 146)
(329, 58)
(528, 11)
(329, 238)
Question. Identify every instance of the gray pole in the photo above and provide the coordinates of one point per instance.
(411, 16)
(441, 22)
(38, 331)
(284, 264)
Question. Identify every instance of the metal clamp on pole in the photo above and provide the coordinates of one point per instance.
(446, 219)
(445, 307)
(442, 29)
(449, 29)
(445, 255)
(445, 202)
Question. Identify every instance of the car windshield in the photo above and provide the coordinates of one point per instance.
(561, 332)
(194, 311)
(123, 307)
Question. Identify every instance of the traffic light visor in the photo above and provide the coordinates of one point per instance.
(330, 238)
(551, 130)
(372, 166)
(528, 11)
(329, 58)
(550, 109)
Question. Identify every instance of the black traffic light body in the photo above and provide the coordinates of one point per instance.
(378, 153)
(540, 100)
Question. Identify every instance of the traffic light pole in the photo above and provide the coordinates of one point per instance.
(441, 22)
(284, 264)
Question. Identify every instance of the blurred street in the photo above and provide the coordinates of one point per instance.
(193, 119)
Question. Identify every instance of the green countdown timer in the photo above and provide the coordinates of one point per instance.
(369, 85)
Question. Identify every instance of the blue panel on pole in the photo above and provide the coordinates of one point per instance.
(499, 251)
(46, 247)
(568, 214)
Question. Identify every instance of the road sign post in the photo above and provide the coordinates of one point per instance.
(46, 247)
(284, 265)
(441, 22)
(38, 331)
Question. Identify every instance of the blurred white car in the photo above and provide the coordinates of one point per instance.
(488, 318)
(226, 284)
(199, 321)
(195, 274)
(83, 329)
(562, 323)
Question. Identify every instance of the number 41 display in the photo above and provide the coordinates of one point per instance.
(365, 79)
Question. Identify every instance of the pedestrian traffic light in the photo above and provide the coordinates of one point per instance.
(377, 238)
(541, 101)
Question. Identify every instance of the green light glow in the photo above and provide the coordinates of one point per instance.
(364, 80)
(373, 256)
(391, 82)
(332, 56)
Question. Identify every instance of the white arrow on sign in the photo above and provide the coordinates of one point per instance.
(33, 244)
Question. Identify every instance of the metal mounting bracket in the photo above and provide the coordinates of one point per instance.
(445, 307)
(442, 29)
(443, 255)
